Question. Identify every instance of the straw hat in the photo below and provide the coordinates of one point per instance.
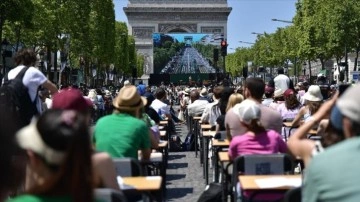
(129, 99)
(313, 94)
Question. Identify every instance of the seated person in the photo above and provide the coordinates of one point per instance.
(59, 158)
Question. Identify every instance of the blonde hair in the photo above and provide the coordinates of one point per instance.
(234, 99)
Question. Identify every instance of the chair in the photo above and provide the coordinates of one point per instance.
(261, 164)
(293, 195)
(127, 167)
(110, 195)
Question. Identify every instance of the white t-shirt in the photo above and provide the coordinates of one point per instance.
(33, 78)
(161, 107)
(282, 83)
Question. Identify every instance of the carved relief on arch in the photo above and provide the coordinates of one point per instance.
(189, 28)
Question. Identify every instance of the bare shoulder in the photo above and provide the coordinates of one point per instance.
(101, 157)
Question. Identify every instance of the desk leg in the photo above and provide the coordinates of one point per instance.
(216, 166)
(206, 160)
(196, 138)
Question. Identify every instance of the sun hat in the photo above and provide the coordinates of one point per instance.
(203, 92)
(247, 111)
(347, 105)
(129, 99)
(278, 93)
(187, 91)
(71, 99)
(313, 94)
(127, 83)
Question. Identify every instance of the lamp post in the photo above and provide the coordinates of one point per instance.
(284, 21)
(246, 42)
(260, 34)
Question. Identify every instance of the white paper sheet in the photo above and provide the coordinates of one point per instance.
(278, 182)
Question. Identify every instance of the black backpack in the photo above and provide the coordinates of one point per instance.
(213, 193)
(175, 144)
(189, 143)
(15, 99)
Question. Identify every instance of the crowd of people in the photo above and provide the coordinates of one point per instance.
(66, 149)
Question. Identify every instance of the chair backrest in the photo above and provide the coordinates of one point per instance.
(261, 164)
(109, 195)
(127, 167)
(293, 195)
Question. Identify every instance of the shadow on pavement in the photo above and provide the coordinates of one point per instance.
(175, 193)
(175, 177)
(177, 165)
(176, 156)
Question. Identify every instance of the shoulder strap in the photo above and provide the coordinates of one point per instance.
(22, 73)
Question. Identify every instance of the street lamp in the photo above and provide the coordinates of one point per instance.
(246, 42)
(260, 34)
(284, 21)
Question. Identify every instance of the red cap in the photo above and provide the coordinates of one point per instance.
(269, 89)
(71, 99)
(289, 92)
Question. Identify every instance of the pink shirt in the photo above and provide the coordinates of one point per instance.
(268, 142)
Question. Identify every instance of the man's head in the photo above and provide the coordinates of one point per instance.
(25, 57)
(160, 94)
(194, 95)
(345, 116)
(254, 88)
(280, 70)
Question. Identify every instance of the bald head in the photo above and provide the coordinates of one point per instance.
(194, 95)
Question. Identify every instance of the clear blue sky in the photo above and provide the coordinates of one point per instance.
(247, 16)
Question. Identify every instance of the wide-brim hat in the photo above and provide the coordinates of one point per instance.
(129, 99)
(313, 94)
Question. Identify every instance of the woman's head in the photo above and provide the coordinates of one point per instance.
(58, 147)
(249, 114)
(226, 92)
(234, 99)
(313, 106)
(291, 101)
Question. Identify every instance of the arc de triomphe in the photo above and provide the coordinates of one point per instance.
(146, 17)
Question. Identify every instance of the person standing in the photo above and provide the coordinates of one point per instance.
(33, 77)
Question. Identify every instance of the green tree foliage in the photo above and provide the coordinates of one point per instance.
(121, 50)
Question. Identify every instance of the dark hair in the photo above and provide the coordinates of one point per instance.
(256, 86)
(160, 93)
(67, 131)
(331, 135)
(218, 91)
(280, 70)
(291, 102)
(25, 57)
(227, 91)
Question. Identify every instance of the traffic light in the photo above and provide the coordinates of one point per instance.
(223, 48)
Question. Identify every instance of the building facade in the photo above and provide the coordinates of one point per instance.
(146, 17)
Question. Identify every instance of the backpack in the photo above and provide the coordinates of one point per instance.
(212, 193)
(175, 144)
(15, 99)
(189, 143)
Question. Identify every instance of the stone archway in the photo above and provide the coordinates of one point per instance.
(177, 28)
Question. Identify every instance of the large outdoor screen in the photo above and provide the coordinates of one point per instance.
(184, 53)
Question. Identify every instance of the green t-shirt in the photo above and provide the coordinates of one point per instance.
(121, 135)
(38, 198)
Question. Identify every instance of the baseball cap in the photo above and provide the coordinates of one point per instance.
(247, 111)
(71, 99)
(289, 92)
